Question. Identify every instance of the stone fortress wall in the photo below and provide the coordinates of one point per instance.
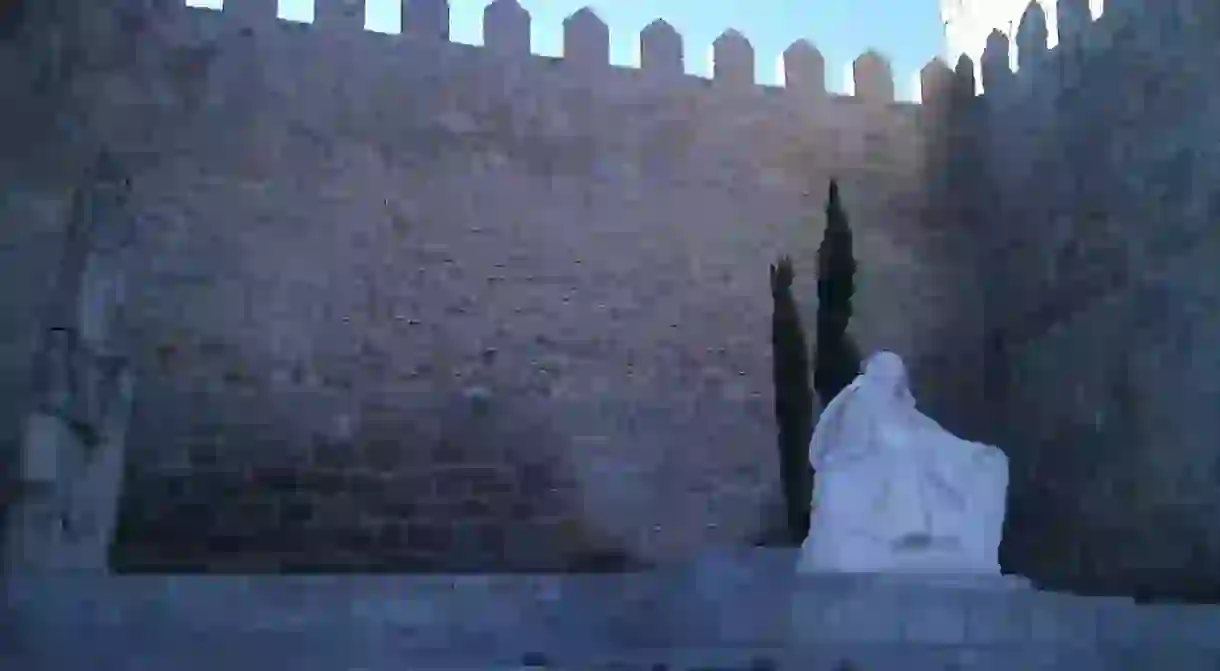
(541, 328)
(395, 302)
(1103, 294)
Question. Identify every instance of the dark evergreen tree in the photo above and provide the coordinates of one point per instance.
(836, 359)
(793, 400)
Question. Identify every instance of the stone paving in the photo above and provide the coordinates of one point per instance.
(728, 611)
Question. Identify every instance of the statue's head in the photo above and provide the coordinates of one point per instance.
(885, 371)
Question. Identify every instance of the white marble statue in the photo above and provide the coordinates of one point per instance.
(896, 493)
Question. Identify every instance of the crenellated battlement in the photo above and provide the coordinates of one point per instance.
(1046, 50)
(1037, 60)
(586, 45)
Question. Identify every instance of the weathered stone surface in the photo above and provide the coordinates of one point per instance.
(257, 359)
(935, 83)
(647, 620)
(297, 195)
(426, 18)
(661, 50)
(997, 75)
(873, 78)
(804, 68)
(339, 15)
(1032, 35)
(1102, 282)
(506, 27)
(586, 40)
(733, 59)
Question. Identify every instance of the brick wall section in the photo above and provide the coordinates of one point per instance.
(249, 489)
(344, 237)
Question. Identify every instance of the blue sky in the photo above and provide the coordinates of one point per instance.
(908, 32)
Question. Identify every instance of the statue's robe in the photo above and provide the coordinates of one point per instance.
(895, 492)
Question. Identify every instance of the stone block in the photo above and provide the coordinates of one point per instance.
(1178, 624)
(661, 50)
(385, 455)
(964, 78)
(586, 40)
(1152, 656)
(848, 610)
(999, 619)
(1118, 622)
(594, 611)
(1058, 618)
(256, 13)
(733, 60)
(1072, 18)
(995, 65)
(1032, 35)
(296, 511)
(426, 18)
(935, 83)
(747, 615)
(873, 78)
(429, 537)
(333, 455)
(273, 481)
(935, 615)
(804, 69)
(506, 27)
(320, 481)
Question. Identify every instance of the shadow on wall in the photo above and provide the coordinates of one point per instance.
(510, 459)
(1095, 528)
(454, 482)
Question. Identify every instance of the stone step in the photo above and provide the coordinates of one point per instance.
(731, 610)
(204, 650)
(519, 614)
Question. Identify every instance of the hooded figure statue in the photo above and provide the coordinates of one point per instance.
(895, 492)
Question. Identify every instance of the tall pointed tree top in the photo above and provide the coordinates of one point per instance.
(833, 199)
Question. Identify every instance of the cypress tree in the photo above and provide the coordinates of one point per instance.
(793, 400)
(836, 359)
